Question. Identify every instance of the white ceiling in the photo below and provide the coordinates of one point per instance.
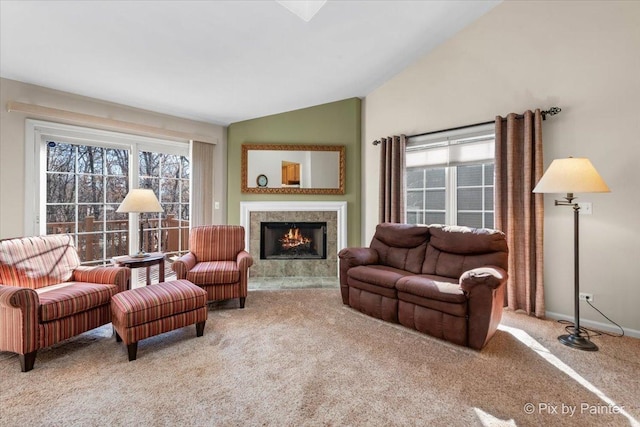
(221, 61)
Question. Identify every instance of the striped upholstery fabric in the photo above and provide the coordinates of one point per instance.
(36, 262)
(216, 242)
(224, 292)
(144, 312)
(217, 262)
(214, 272)
(143, 305)
(116, 276)
(72, 298)
(61, 329)
(47, 297)
(18, 307)
(160, 326)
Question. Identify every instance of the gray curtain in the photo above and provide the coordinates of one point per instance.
(392, 179)
(202, 198)
(519, 213)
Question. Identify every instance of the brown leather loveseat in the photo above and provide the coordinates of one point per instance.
(445, 281)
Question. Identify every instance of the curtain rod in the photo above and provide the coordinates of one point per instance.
(550, 112)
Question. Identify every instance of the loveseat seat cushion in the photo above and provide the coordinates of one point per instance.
(378, 275)
(433, 287)
(70, 298)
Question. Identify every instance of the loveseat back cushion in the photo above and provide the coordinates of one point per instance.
(216, 242)
(401, 246)
(452, 250)
(36, 262)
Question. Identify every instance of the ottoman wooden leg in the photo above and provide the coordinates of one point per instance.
(242, 302)
(200, 328)
(132, 349)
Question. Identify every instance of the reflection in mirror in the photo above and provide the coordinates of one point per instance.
(310, 169)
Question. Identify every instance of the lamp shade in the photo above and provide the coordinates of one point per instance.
(140, 200)
(572, 175)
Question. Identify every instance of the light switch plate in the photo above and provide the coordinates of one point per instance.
(586, 208)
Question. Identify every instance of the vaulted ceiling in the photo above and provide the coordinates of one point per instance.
(221, 61)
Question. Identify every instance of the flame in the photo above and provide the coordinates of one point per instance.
(293, 238)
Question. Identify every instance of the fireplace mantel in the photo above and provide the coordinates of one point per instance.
(339, 207)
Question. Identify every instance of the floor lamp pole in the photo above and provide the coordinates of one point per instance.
(576, 340)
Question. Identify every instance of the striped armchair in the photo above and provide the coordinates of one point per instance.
(217, 262)
(47, 297)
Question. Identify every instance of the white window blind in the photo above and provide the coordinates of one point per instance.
(452, 148)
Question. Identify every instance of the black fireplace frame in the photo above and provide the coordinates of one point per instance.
(285, 225)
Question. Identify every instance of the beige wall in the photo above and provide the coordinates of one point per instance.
(12, 142)
(580, 56)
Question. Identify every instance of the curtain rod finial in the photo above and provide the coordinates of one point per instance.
(551, 111)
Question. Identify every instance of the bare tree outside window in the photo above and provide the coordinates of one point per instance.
(86, 184)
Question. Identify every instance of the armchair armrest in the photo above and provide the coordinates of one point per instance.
(244, 261)
(106, 275)
(19, 317)
(183, 264)
(484, 288)
(353, 257)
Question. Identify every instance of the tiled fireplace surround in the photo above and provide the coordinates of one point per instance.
(333, 213)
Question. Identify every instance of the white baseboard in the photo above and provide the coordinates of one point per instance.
(606, 327)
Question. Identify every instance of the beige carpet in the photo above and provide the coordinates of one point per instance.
(299, 357)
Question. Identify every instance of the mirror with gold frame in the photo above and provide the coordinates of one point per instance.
(293, 169)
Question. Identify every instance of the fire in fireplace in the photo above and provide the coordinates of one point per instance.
(287, 240)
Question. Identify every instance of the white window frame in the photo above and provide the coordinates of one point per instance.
(38, 132)
(447, 139)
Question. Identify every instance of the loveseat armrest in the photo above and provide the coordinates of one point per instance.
(118, 276)
(353, 257)
(484, 288)
(183, 264)
(488, 276)
(19, 318)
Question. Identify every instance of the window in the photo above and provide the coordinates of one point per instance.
(80, 176)
(450, 177)
(85, 185)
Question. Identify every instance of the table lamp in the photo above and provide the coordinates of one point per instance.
(573, 176)
(140, 200)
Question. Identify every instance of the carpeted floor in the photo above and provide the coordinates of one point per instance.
(301, 358)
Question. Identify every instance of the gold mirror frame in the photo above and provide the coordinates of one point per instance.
(289, 190)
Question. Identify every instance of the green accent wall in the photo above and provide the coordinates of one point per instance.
(336, 123)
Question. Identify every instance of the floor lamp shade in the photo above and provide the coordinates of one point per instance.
(140, 200)
(573, 175)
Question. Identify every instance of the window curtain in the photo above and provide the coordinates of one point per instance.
(202, 165)
(392, 179)
(518, 211)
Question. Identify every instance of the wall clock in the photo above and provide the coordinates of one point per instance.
(262, 180)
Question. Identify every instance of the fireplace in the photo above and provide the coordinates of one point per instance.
(293, 240)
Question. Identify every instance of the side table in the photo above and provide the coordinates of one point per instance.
(154, 258)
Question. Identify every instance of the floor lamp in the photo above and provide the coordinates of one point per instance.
(573, 176)
(140, 200)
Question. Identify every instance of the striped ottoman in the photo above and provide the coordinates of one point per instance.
(144, 312)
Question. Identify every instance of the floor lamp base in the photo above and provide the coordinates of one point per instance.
(576, 341)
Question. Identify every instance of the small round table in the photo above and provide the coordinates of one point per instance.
(153, 258)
